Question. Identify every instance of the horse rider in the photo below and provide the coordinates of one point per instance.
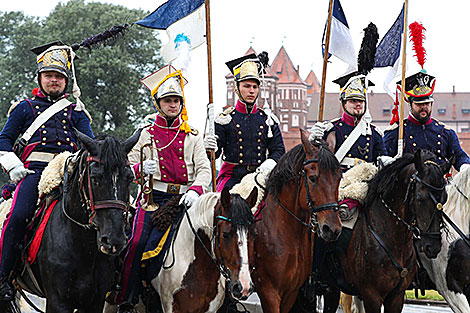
(355, 141)
(249, 137)
(175, 158)
(420, 130)
(46, 122)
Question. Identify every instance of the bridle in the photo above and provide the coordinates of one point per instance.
(86, 192)
(310, 203)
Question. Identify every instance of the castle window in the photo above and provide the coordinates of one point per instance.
(295, 120)
(441, 111)
(296, 105)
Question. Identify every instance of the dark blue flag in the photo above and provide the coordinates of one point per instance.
(169, 12)
(389, 47)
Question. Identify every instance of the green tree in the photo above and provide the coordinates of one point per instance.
(108, 75)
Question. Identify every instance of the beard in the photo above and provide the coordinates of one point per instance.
(419, 118)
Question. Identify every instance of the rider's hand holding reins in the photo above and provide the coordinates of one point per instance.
(189, 198)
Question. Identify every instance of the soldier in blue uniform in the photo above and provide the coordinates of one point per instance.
(366, 144)
(420, 129)
(248, 136)
(37, 146)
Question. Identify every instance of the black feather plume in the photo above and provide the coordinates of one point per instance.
(102, 38)
(264, 59)
(366, 58)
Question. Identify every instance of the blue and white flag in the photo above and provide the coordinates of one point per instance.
(341, 44)
(184, 22)
(389, 50)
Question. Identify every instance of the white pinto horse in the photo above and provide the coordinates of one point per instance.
(199, 276)
(457, 208)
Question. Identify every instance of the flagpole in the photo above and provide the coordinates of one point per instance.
(211, 99)
(325, 63)
(403, 71)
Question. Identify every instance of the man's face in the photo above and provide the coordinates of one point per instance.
(249, 90)
(421, 111)
(354, 107)
(170, 105)
(53, 83)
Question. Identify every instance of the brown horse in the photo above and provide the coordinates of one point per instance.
(301, 199)
(403, 205)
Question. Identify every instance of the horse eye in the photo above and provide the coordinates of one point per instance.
(313, 179)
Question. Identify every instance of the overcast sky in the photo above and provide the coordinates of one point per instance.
(298, 25)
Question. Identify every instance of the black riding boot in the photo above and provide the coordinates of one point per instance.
(7, 292)
(151, 299)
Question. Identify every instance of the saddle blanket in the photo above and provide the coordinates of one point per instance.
(37, 238)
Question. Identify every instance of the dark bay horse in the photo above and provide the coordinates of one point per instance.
(216, 259)
(302, 195)
(403, 206)
(75, 267)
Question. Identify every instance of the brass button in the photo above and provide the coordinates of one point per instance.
(259, 161)
(184, 166)
(260, 133)
(43, 143)
(340, 124)
(349, 155)
(241, 161)
(39, 112)
(367, 144)
(240, 140)
(238, 125)
(180, 149)
(59, 143)
(65, 114)
(259, 154)
(241, 147)
(64, 127)
(241, 154)
(414, 144)
(261, 126)
(68, 139)
(366, 157)
(184, 175)
(239, 132)
(65, 109)
(438, 142)
(43, 126)
(163, 166)
(180, 158)
(367, 150)
(164, 176)
(368, 138)
(438, 151)
(44, 131)
(438, 136)
(71, 144)
(64, 121)
(161, 158)
(65, 132)
(259, 148)
(345, 136)
(259, 140)
(37, 107)
(411, 137)
(157, 141)
(44, 139)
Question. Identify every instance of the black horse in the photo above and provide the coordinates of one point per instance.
(75, 265)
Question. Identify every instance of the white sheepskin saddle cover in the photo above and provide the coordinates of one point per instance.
(353, 185)
(53, 174)
(245, 186)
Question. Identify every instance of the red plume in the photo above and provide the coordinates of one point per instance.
(417, 36)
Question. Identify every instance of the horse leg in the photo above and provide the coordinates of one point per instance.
(394, 305)
(270, 300)
(373, 304)
(331, 301)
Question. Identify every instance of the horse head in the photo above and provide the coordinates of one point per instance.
(320, 177)
(234, 223)
(426, 202)
(104, 188)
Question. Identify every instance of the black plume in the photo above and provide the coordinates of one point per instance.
(366, 58)
(102, 38)
(264, 59)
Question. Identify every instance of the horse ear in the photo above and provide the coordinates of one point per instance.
(131, 141)
(305, 142)
(251, 200)
(225, 198)
(419, 166)
(445, 167)
(87, 142)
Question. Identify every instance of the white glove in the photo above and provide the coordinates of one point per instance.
(267, 165)
(318, 130)
(150, 167)
(385, 160)
(464, 166)
(13, 165)
(18, 173)
(210, 142)
(189, 198)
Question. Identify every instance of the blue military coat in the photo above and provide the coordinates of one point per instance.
(243, 140)
(366, 148)
(55, 136)
(433, 135)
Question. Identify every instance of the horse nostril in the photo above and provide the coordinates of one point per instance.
(237, 290)
(104, 240)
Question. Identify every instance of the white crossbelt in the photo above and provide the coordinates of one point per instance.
(40, 157)
(169, 188)
(351, 161)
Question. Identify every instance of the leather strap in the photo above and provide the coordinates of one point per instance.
(44, 117)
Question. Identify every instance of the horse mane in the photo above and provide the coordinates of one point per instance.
(111, 152)
(202, 212)
(384, 181)
(240, 213)
(457, 205)
(290, 164)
